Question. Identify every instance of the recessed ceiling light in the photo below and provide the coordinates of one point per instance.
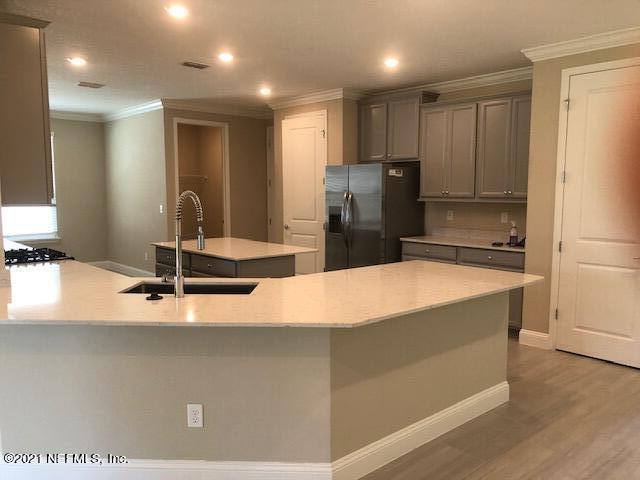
(226, 57)
(391, 62)
(177, 11)
(265, 91)
(77, 61)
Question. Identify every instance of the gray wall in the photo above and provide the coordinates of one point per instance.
(124, 390)
(136, 187)
(80, 189)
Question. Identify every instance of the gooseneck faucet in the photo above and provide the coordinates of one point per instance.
(179, 278)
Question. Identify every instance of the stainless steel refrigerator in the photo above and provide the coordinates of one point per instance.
(368, 208)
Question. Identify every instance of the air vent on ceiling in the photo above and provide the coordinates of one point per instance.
(199, 66)
(90, 84)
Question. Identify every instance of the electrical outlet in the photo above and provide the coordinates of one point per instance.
(194, 415)
(449, 215)
(161, 208)
(504, 217)
(146, 256)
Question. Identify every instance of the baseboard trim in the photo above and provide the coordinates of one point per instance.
(171, 470)
(532, 338)
(121, 268)
(381, 452)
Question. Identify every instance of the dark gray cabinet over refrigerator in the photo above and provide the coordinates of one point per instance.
(368, 209)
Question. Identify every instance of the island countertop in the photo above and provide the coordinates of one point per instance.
(70, 292)
(238, 249)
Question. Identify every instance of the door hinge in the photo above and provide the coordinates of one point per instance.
(564, 176)
(269, 182)
(556, 315)
(324, 133)
(269, 221)
(323, 180)
(560, 246)
(567, 103)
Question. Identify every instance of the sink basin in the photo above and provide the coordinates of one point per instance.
(194, 288)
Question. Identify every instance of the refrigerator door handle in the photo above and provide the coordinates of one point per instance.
(344, 219)
(349, 217)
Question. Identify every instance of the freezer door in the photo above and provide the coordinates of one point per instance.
(365, 240)
(336, 188)
(403, 214)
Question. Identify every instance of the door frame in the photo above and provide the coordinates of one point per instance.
(563, 123)
(226, 183)
(324, 114)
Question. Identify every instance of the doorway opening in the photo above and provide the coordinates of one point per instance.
(201, 152)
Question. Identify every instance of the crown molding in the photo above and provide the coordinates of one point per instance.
(616, 38)
(240, 111)
(135, 110)
(77, 116)
(315, 97)
(484, 80)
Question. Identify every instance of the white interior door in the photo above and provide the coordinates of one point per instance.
(599, 282)
(304, 157)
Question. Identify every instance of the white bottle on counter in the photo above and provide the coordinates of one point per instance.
(513, 234)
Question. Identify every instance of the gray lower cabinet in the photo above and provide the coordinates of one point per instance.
(448, 151)
(503, 148)
(196, 265)
(25, 159)
(477, 257)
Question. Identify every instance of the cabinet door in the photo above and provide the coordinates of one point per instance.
(494, 143)
(373, 132)
(461, 172)
(403, 118)
(25, 159)
(433, 151)
(520, 131)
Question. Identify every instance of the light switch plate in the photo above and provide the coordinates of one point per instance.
(194, 415)
(504, 217)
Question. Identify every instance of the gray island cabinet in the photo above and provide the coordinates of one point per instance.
(230, 257)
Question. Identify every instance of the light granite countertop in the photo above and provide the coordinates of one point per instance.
(73, 293)
(461, 242)
(238, 249)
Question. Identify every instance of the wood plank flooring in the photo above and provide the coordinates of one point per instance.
(569, 418)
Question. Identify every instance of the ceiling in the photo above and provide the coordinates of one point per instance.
(294, 46)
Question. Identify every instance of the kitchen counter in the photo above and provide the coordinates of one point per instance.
(431, 343)
(238, 249)
(70, 292)
(461, 242)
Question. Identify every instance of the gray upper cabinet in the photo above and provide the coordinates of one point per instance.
(503, 148)
(25, 159)
(403, 117)
(520, 132)
(389, 129)
(447, 151)
(494, 143)
(373, 132)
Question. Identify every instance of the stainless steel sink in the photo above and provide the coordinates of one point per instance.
(193, 288)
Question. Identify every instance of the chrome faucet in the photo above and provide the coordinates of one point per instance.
(179, 278)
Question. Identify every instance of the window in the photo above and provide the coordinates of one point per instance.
(37, 221)
(32, 222)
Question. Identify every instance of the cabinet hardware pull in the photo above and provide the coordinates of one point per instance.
(509, 192)
(489, 257)
(505, 192)
(427, 251)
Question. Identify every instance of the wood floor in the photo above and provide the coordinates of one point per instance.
(569, 418)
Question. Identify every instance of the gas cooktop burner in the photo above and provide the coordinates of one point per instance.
(34, 255)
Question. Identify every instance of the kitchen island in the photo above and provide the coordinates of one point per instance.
(230, 257)
(374, 362)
